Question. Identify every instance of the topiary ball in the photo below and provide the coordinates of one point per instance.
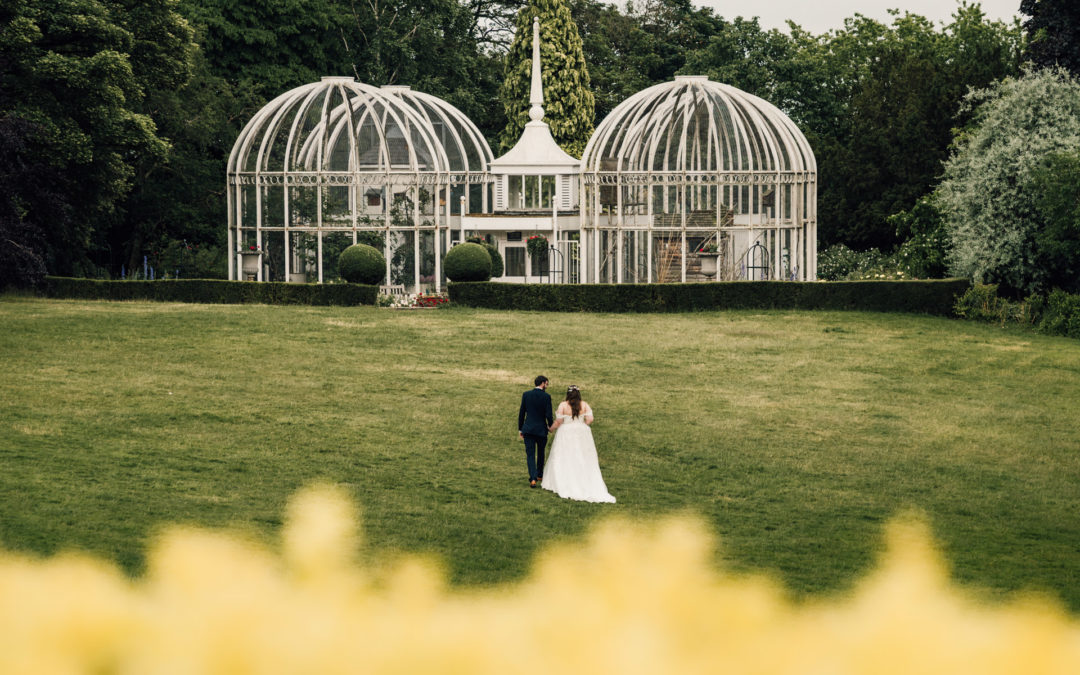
(362, 264)
(468, 262)
(497, 265)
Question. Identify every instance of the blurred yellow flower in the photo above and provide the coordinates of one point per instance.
(631, 598)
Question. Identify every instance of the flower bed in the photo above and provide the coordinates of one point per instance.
(432, 300)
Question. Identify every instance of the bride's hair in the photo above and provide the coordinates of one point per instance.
(573, 397)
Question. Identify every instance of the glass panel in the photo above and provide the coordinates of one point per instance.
(532, 192)
(427, 257)
(302, 249)
(635, 263)
(570, 258)
(607, 257)
(303, 211)
(547, 191)
(403, 262)
(336, 209)
(273, 258)
(514, 257)
(667, 257)
(332, 246)
(513, 193)
(539, 264)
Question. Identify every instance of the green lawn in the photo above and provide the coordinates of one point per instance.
(795, 434)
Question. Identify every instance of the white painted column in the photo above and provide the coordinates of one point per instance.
(461, 225)
(258, 227)
(232, 243)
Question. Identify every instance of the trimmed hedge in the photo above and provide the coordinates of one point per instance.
(922, 297)
(211, 291)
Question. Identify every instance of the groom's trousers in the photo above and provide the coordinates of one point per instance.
(534, 454)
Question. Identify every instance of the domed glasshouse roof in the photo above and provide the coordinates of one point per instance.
(693, 124)
(360, 134)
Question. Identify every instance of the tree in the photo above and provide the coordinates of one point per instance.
(31, 201)
(1053, 32)
(492, 22)
(757, 61)
(165, 187)
(674, 29)
(898, 90)
(266, 48)
(617, 51)
(1007, 213)
(77, 70)
(175, 210)
(1057, 182)
(568, 102)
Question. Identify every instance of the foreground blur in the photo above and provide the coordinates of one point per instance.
(630, 599)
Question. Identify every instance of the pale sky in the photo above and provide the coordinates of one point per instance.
(822, 15)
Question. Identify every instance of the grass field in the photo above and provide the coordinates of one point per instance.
(795, 434)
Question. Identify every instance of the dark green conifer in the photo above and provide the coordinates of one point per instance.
(568, 100)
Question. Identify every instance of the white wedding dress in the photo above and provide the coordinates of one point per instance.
(572, 470)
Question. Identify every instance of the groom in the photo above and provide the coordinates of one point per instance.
(534, 418)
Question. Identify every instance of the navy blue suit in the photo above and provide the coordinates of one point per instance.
(534, 418)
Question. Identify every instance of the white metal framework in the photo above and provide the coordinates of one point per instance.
(335, 162)
(689, 164)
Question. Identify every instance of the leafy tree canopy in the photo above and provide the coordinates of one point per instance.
(79, 71)
(1053, 30)
(568, 101)
(1007, 210)
(898, 90)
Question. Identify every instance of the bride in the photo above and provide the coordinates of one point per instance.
(573, 470)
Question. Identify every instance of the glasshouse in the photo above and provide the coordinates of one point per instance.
(337, 162)
(689, 180)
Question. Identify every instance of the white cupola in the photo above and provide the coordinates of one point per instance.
(535, 174)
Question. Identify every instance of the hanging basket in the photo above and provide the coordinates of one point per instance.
(537, 245)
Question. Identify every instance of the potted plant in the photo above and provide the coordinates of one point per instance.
(251, 256)
(707, 254)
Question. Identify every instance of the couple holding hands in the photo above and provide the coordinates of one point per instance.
(573, 468)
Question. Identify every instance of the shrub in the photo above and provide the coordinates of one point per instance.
(925, 248)
(981, 302)
(362, 264)
(836, 262)
(1060, 314)
(468, 262)
(1055, 314)
(926, 297)
(840, 263)
(497, 265)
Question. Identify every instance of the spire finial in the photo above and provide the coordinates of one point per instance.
(536, 93)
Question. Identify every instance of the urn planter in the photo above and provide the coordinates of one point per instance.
(708, 262)
(249, 265)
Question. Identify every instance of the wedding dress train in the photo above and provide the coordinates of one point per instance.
(572, 470)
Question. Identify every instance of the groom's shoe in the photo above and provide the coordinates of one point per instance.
(532, 483)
